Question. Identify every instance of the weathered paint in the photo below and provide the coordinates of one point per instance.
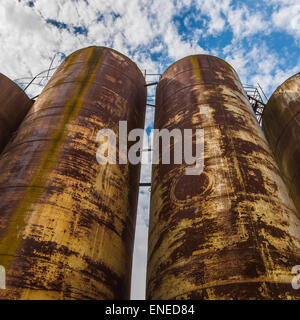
(14, 104)
(281, 124)
(67, 223)
(231, 232)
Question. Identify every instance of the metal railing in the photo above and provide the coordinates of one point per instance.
(257, 99)
(41, 78)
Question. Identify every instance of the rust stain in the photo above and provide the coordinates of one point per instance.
(66, 227)
(231, 232)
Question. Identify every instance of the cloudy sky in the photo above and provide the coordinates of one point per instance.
(260, 39)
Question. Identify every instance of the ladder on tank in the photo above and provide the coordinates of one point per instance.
(150, 103)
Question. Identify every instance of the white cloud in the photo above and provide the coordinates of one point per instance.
(139, 28)
(223, 15)
(287, 18)
(133, 27)
(216, 11)
(176, 47)
(259, 65)
(244, 23)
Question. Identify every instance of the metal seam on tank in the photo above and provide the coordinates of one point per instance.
(110, 49)
(196, 55)
(200, 82)
(232, 126)
(220, 283)
(99, 221)
(25, 121)
(172, 95)
(195, 85)
(202, 68)
(10, 242)
(174, 78)
(94, 82)
(206, 101)
(79, 82)
(66, 209)
(251, 195)
(86, 108)
(210, 197)
(5, 152)
(66, 267)
(42, 109)
(61, 106)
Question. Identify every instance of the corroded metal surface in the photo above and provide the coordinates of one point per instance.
(66, 222)
(14, 104)
(231, 232)
(281, 124)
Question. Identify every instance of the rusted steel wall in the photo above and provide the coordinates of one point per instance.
(14, 104)
(281, 124)
(231, 232)
(66, 222)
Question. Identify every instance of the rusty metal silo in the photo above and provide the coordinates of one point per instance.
(281, 124)
(232, 231)
(14, 104)
(67, 223)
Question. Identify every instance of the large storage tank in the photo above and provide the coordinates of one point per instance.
(14, 104)
(281, 124)
(66, 222)
(232, 231)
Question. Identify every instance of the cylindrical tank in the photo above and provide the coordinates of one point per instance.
(66, 222)
(281, 124)
(232, 231)
(14, 104)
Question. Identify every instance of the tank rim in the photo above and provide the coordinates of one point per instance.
(21, 91)
(196, 55)
(107, 48)
(283, 83)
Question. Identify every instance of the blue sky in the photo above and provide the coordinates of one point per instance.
(260, 39)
